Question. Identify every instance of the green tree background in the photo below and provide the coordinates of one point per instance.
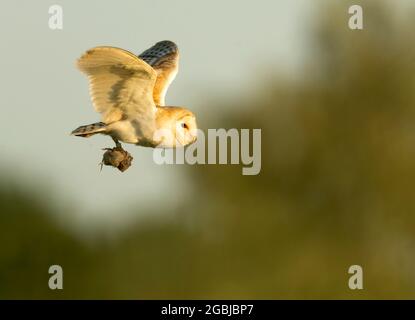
(336, 189)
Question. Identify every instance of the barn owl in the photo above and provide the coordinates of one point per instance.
(129, 91)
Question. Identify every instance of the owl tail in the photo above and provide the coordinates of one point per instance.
(89, 130)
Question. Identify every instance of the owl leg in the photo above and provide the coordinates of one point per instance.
(117, 143)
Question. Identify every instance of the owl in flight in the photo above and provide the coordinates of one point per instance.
(129, 91)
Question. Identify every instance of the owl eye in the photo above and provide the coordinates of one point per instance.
(184, 125)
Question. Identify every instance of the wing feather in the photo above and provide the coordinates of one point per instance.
(121, 84)
(164, 58)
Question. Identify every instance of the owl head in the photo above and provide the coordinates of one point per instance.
(176, 127)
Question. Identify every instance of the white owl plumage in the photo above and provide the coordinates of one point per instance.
(129, 92)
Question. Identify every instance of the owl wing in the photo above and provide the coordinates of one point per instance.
(121, 85)
(164, 58)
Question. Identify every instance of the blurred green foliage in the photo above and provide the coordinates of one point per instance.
(336, 189)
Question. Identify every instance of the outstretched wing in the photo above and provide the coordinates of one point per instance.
(121, 84)
(164, 58)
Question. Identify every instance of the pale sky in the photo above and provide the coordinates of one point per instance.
(44, 97)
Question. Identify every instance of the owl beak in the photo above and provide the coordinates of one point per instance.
(193, 134)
